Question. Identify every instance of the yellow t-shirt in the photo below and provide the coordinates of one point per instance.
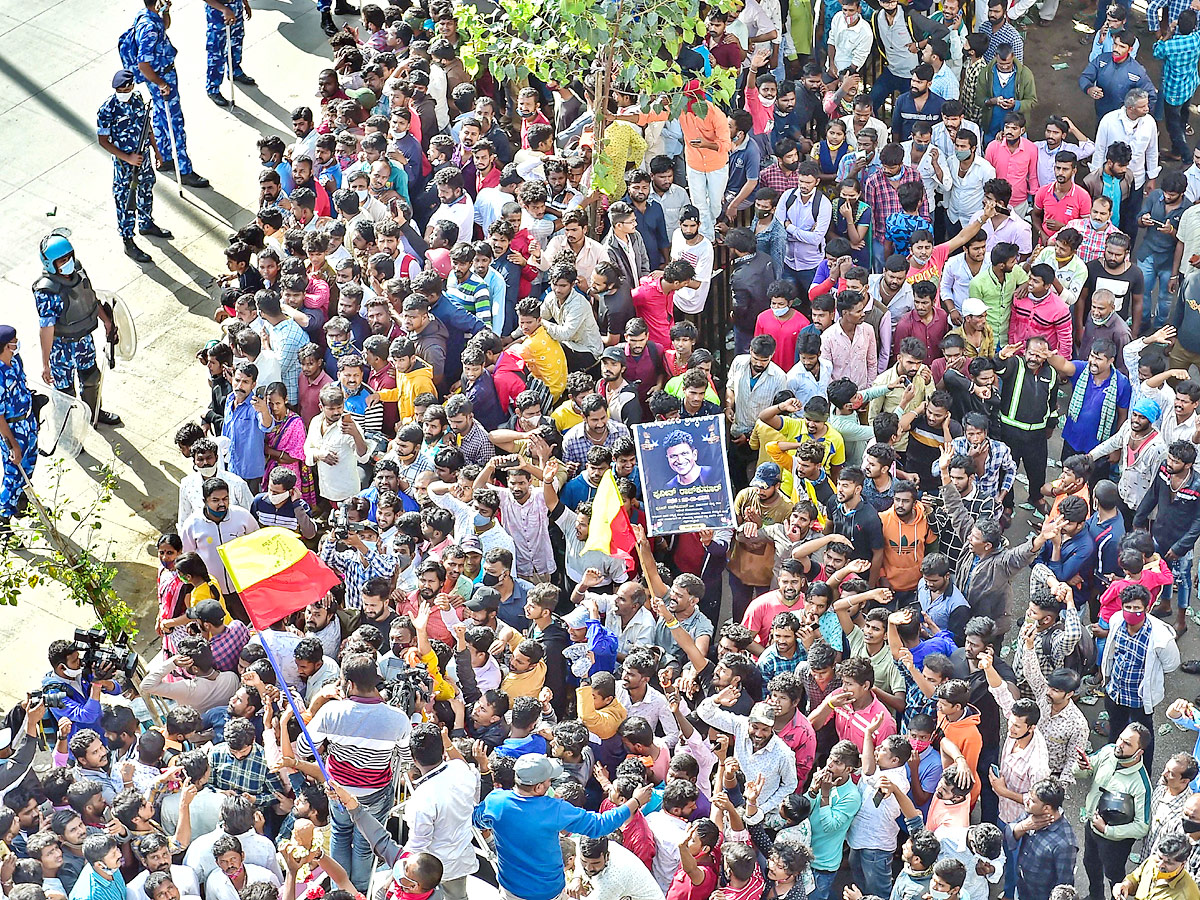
(209, 591)
(545, 358)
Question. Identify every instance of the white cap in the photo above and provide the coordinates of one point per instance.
(973, 306)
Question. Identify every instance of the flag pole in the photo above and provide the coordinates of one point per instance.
(287, 692)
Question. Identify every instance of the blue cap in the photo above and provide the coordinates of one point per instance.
(123, 78)
(1147, 407)
(767, 475)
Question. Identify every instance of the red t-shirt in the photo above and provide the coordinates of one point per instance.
(682, 888)
(784, 332)
(656, 308)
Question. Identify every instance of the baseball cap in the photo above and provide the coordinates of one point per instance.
(762, 713)
(973, 306)
(689, 213)
(767, 475)
(208, 611)
(534, 768)
(364, 97)
(6, 738)
(483, 597)
(471, 544)
(614, 353)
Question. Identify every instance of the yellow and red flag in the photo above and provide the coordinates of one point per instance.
(609, 530)
(275, 574)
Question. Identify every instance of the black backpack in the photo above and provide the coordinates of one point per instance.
(1082, 659)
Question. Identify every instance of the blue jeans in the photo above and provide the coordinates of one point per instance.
(1011, 846)
(885, 85)
(823, 884)
(1182, 570)
(348, 846)
(1154, 314)
(872, 871)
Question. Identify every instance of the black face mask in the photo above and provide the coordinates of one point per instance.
(1190, 827)
(489, 579)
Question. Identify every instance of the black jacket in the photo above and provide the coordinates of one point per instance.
(748, 284)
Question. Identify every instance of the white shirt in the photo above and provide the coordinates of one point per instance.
(191, 494)
(691, 300)
(654, 708)
(203, 536)
(260, 852)
(964, 195)
(956, 279)
(461, 212)
(269, 368)
(438, 814)
(1045, 163)
(668, 832)
(877, 125)
(944, 141)
(874, 827)
(925, 170)
(438, 91)
(1142, 137)
(338, 480)
(1192, 174)
(219, 887)
(624, 877)
(639, 631)
(183, 876)
(851, 44)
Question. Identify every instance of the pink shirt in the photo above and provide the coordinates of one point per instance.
(762, 612)
(855, 358)
(310, 392)
(851, 724)
(799, 735)
(1075, 205)
(1017, 167)
(1049, 318)
(784, 332)
(656, 308)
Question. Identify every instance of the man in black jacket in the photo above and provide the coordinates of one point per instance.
(748, 282)
(548, 630)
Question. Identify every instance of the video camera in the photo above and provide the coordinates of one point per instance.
(341, 531)
(96, 651)
(410, 687)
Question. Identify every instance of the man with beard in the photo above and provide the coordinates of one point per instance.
(1028, 397)
(787, 598)
(918, 104)
(92, 761)
(206, 462)
(525, 513)
(624, 405)
(855, 519)
(800, 113)
(1114, 271)
(651, 224)
(927, 434)
(759, 751)
(688, 244)
(154, 853)
(1099, 398)
(752, 555)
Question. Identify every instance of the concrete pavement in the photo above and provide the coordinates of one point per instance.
(57, 58)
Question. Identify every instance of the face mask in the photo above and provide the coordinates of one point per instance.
(919, 745)
(481, 520)
(277, 499)
(124, 96)
(218, 516)
(371, 546)
(920, 147)
(489, 579)
(525, 113)
(1135, 618)
(939, 895)
(1101, 322)
(764, 213)
(207, 471)
(962, 155)
(1120, 57)
(1097, 224)
(895, 178)
(780, 312)
(1190, 827)
(362, 196)
(75, 673)
(767, 103)
(788, 167)
(68, 267)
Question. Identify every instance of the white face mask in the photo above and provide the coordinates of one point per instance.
(362, 196)
(277, 499)
(124, 96)
(779, 311)
(72, 673)
(207, 471)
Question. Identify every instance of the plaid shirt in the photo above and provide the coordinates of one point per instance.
(1129, 665)
(1154, 12)
(576, 442)
(778, 180)
(286, 340)
(1181, 66)
(1046, 859)
(1092, 246)
(880, 193)
(227, 646)
(244, 776)
(349, 566)
(476, 446)
(409, 472)
(1063, 641)
(998, 460)
(770, 663)
(1006, 35)
(915, 701)
(814, 692)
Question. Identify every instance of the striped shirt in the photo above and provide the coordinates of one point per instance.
(473, 296)
(362, 735)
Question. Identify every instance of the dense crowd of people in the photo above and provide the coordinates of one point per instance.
(437, 338)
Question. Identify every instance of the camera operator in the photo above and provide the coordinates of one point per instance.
(352, 550)
(80, 690)
(201, 686)
(17, 748)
